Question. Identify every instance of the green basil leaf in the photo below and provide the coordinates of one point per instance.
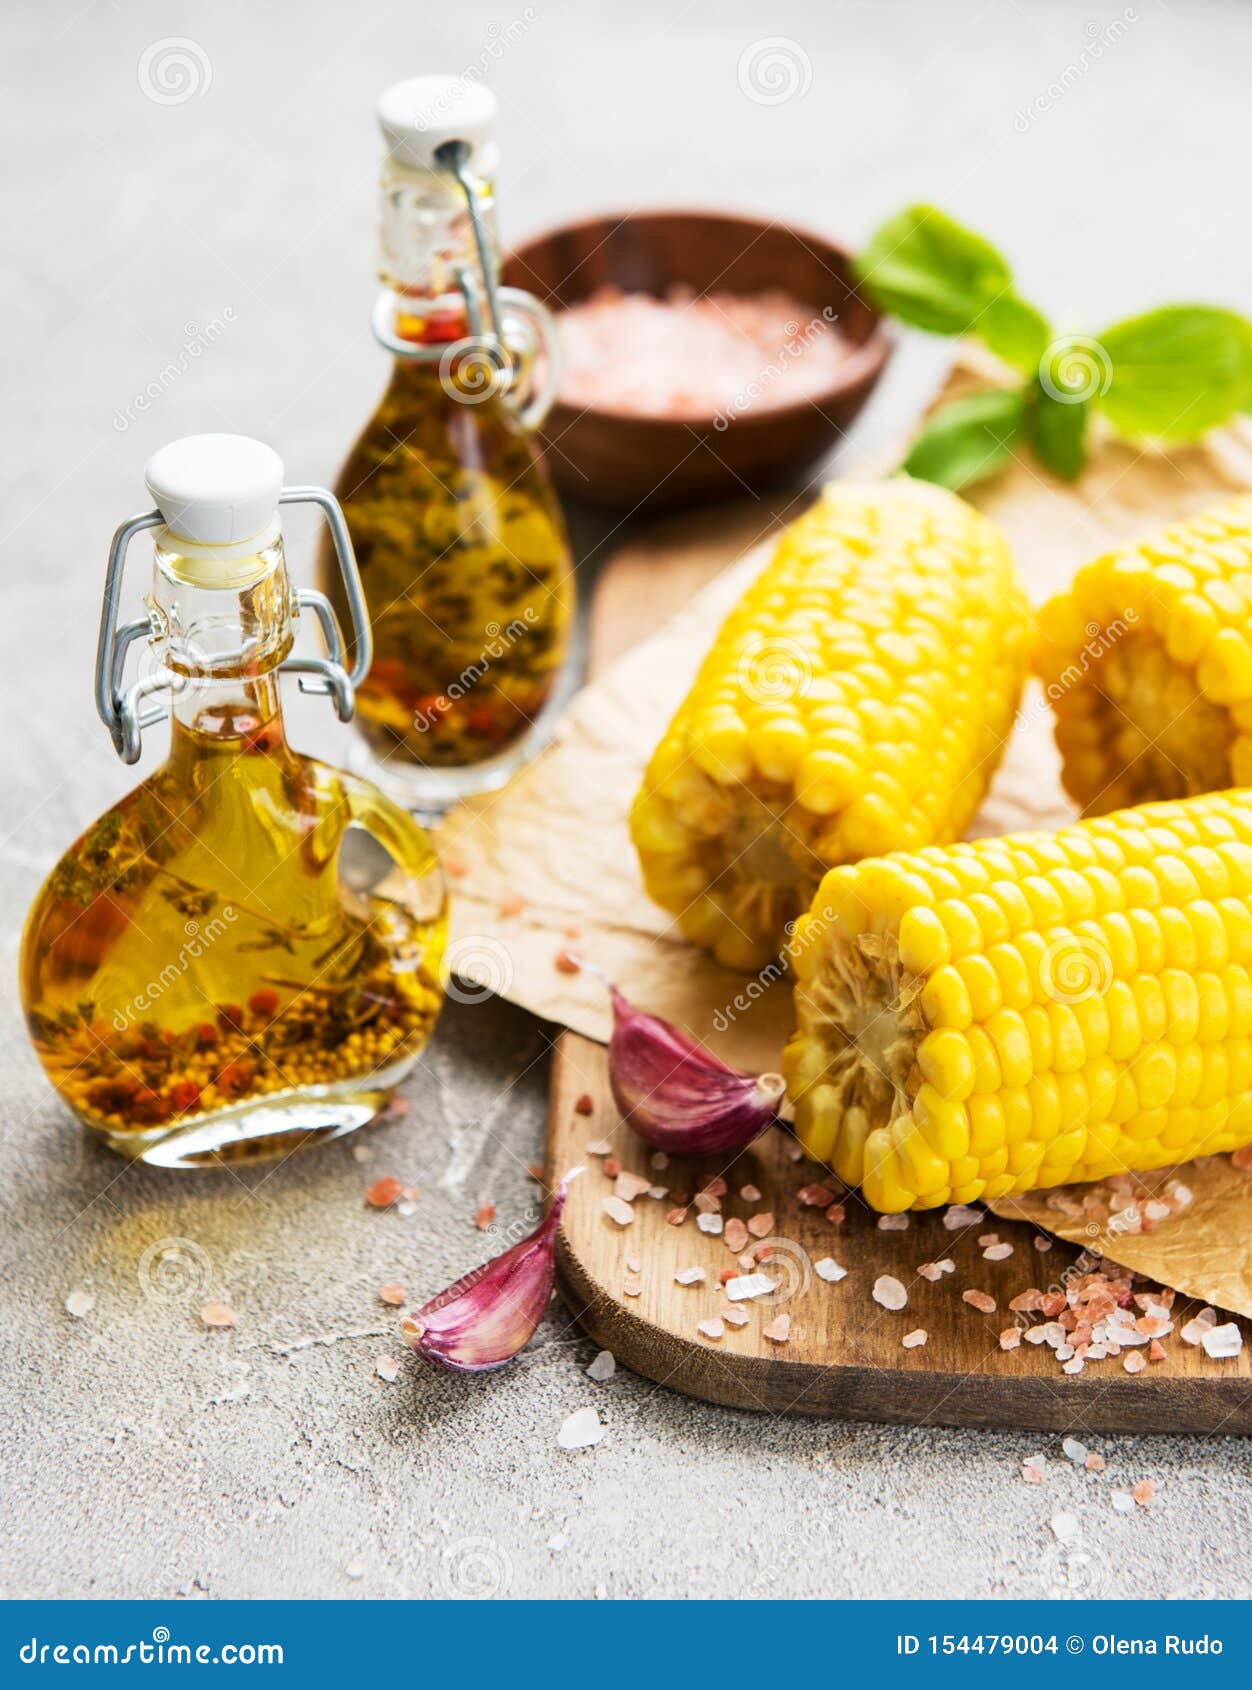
(1014, 331)
(926, 269)
(1056, 428)
(1175, 372)
(967, 440)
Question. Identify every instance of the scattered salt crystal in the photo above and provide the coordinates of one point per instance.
(733, 1315)
(836, 1214)
(708, 1203)
(1074, 1365)
(356, 1568)
(985, 1238)
(1042, 1244)
(632, 1284)
(617, 1211)
(634, 1264)
(362, 1152)
(79, 1304)
(690, 1276)
(889, 1292)
(760, 1226)
(810, 1196)
(601, 1147)
(959, 1215)
(1038, 1461)
(711, 1224)
(749, 1285)
(218, 1315)
(658, 1192)
(630, 1186)
(712, 1328)
(936, 1270)
(1064, 1352)
(580, 1430)
(1193, 1332)
(750, 1193)
(557, 1541)
(1143, 1492)
(913, 1340)
(387, 1367)
(1073, 1450)
(603, 1367)
(735, 1234)
(795, 1153)
(1156, 1350)
(1032, 1475)
(712, 1184)
(676, 1217)
(980, 1300)
(406, 1208)
(1094, 1462)
(1222, 1342)
(1065, 1528)
(1122, 1501)
(658, 1160)
(1010, 1338)
(893, 1223)
(779, 1329)
(1135, 1362)
(997, 1252)
(829, 1270)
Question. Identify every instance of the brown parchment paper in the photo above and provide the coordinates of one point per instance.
(557, 835)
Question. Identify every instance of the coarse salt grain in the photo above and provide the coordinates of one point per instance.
(658, 1192)
(936, 1270)
(1135, 1362)
(779, 1329)
(1193, 1332)
(601, 1147)
(612, 1167)
(1010, 1338)
(658, 1160)
(712, 1224)
(1065, 1528)
(915, 1339)
(393, 1295)
(733, 1315)
(1094, 1462)
(1072, 1450)
(1222, 1342)
(632, 1284)
(580, 1430)
(760, 1226)
(387, 1367)
(629, 1186)
(356, 1568)
(1143, 1492)
(634, 1264)
(708, 1203)
(811, 1196)
(749, 1285)
(980, 1300)
(750, 1193)
(219, 1316)
(713, 1327)
(676, 1217)
(959, 1215)
(79, 1304)
(829, 1270)
(735, 1234)
(1075, 1364)
(690, 1276)
(893, 1223)
(602, 1367)
(1042, 1244)
(384, 1192)
(889, 1292)
(617, 1211)
(1122, 1501)
(997, 1252)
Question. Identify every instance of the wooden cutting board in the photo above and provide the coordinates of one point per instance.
(844, 1355)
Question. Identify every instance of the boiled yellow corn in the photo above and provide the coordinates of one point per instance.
(1013, 1013)
(856, 700)
(1147, 662)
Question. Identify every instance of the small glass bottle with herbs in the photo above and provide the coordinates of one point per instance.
(458, 534)
(242, 957)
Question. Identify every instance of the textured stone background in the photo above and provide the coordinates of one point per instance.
(144, 1457)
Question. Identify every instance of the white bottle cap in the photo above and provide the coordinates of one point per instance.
(418, 116)
(217, 489)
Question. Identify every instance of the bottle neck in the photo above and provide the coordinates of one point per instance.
(428, 243)
(221, 628)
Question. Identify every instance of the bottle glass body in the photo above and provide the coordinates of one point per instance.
(457, 531)
(242, 956)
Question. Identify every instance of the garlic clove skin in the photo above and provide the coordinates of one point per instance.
(678, 1096)
(483, 1320)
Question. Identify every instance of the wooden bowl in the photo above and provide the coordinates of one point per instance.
(628, 462)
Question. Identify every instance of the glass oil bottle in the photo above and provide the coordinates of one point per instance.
(242, 957)
(457, 531)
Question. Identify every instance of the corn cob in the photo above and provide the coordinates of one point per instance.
(1014, 1013)
(1147, 662)
(855, 701)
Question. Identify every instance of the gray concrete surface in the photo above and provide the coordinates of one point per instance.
(144, 1457)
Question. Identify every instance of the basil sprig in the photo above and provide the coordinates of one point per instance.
(1170, 374)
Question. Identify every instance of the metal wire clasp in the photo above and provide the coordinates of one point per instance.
(127, 711)
(490, 310)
